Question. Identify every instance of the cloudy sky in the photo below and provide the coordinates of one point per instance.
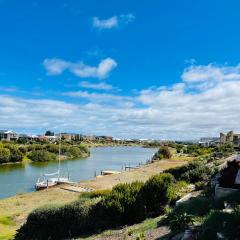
(147, 69)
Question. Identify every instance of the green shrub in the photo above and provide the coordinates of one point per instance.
(193, 172)
(53, 148)
(95, 194)
(57, 222)
(74, 152)
(200, 185)
(4, 155)
(16, 155)
(42, 156)
(121, 206)
(198, 206)
(180, 222)
(83, 148)
(157, 192)
(163, 152)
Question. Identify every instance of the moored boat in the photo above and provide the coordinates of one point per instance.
(52, 181)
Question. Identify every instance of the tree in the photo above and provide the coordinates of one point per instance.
(49, 133)
(4, 155)
(16, 155)
(42, 156)
(163, 152)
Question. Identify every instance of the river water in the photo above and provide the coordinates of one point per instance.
(19, 178)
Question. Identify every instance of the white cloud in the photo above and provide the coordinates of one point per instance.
(212, 73)
(57, 66)
(112, 22)
(96, 86)
(105, 23)
(170, 112)
(101, 97)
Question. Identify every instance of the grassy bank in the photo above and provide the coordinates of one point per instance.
(18, 207)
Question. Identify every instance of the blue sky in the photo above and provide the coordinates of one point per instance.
(155, 69)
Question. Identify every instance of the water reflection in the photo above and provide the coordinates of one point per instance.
(10, 167)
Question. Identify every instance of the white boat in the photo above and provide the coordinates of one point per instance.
(47, 182)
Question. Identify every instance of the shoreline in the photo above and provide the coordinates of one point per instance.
(19, 206)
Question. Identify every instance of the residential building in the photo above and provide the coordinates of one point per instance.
(230, 137)
(70, 136)
(8, 135)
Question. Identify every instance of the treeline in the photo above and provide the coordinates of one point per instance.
(12, 152)
(124, 204)
(49, 152)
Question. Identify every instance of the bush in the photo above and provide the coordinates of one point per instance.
(42, 156)
(201, 173)
(83, 148)
(53, 148)
(57, 222)
(95, 194)
(16, 155)
(121, 206)
(163, 152)
(180, 222)
(157, 192)
(193, 172)
(74, 152)
(4, 155)
(198, 206)
(200, 185)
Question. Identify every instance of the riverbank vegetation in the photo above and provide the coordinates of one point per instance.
(11, 152)
(124, 204)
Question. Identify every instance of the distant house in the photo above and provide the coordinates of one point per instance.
(104, 138)
(230, 137)
(8, 135)
(208, 141)
(70, 136)
(88, 138)
(25, 137)
(43, 138)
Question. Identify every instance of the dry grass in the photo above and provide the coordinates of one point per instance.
(141, 174)
(18, 207)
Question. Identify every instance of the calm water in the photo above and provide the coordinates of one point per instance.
(19, 178)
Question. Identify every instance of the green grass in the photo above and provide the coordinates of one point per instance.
(148, 224)
(7, 229)
(7, 221)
